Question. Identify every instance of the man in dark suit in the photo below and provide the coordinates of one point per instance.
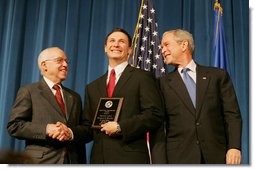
(52, 128)
(124, 141)
(207, 129)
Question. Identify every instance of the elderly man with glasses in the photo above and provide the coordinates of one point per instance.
(48, 116)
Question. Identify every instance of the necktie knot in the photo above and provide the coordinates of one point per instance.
(185, 70)
(186, 76)
(112, 72)
(56, 87)
(59, 98)
(190, 85)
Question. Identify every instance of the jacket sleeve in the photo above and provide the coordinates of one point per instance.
(20, 121)
(232, 114)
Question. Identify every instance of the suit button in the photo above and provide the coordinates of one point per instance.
(197, 124)
(197, 142)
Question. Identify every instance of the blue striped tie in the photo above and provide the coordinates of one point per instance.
(190, 85)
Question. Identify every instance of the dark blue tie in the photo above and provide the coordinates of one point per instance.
(190, 85)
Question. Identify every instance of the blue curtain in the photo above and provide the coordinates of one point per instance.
(79, 27)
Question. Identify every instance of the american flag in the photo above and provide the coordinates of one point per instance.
(146, 49)
(146, 52)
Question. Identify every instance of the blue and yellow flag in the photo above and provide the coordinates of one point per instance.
(220, 47)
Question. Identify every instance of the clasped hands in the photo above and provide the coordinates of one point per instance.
(59, 131)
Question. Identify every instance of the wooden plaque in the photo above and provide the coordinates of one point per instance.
(108, 109)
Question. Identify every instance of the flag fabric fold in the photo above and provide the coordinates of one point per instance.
(220, 47)
(146, 52)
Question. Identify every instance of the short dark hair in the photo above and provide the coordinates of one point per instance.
(119, 30)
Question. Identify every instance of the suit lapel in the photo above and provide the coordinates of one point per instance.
(203, 80)
(177, 84)
(123, 79)
(102, 87)
(68, 102)
(49, 96)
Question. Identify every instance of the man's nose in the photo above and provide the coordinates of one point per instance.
(163, 50)
(116, 43)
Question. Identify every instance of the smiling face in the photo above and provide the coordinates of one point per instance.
(54, 64)
(117, 48)
(171, 49)
(177, 47)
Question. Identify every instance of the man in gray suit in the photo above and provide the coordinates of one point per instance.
(52, 128)
(202, 129)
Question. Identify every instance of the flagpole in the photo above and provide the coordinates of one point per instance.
(134, 40)
(217, 5)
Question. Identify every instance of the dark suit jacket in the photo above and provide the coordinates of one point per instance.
(212, 128)
(35, 106)
(141, 112)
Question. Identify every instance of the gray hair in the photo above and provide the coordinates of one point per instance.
(41, 58)
(181, 35)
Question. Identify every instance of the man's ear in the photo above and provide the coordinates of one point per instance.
(43, 66)
(105, 49)
(184, 45)
(129, 51)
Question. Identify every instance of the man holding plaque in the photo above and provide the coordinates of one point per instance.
(122, 106)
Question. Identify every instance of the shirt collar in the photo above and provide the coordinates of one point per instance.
(192, 66)
(119, 68)
(50, 83)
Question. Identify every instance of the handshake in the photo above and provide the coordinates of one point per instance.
(59, 131)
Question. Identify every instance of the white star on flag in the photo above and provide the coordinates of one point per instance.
(144, 6)
(144, 38)
(152, 10)
(155, 33)
(154, 66)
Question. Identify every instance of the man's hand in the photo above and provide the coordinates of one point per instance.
(233, 156)
(65, 133)
(59, 131)
(109, 128)
(52, 130)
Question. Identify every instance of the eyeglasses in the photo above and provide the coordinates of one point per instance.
(58, 60)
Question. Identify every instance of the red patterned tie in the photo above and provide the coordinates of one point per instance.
(111, 83)
(59, 98)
